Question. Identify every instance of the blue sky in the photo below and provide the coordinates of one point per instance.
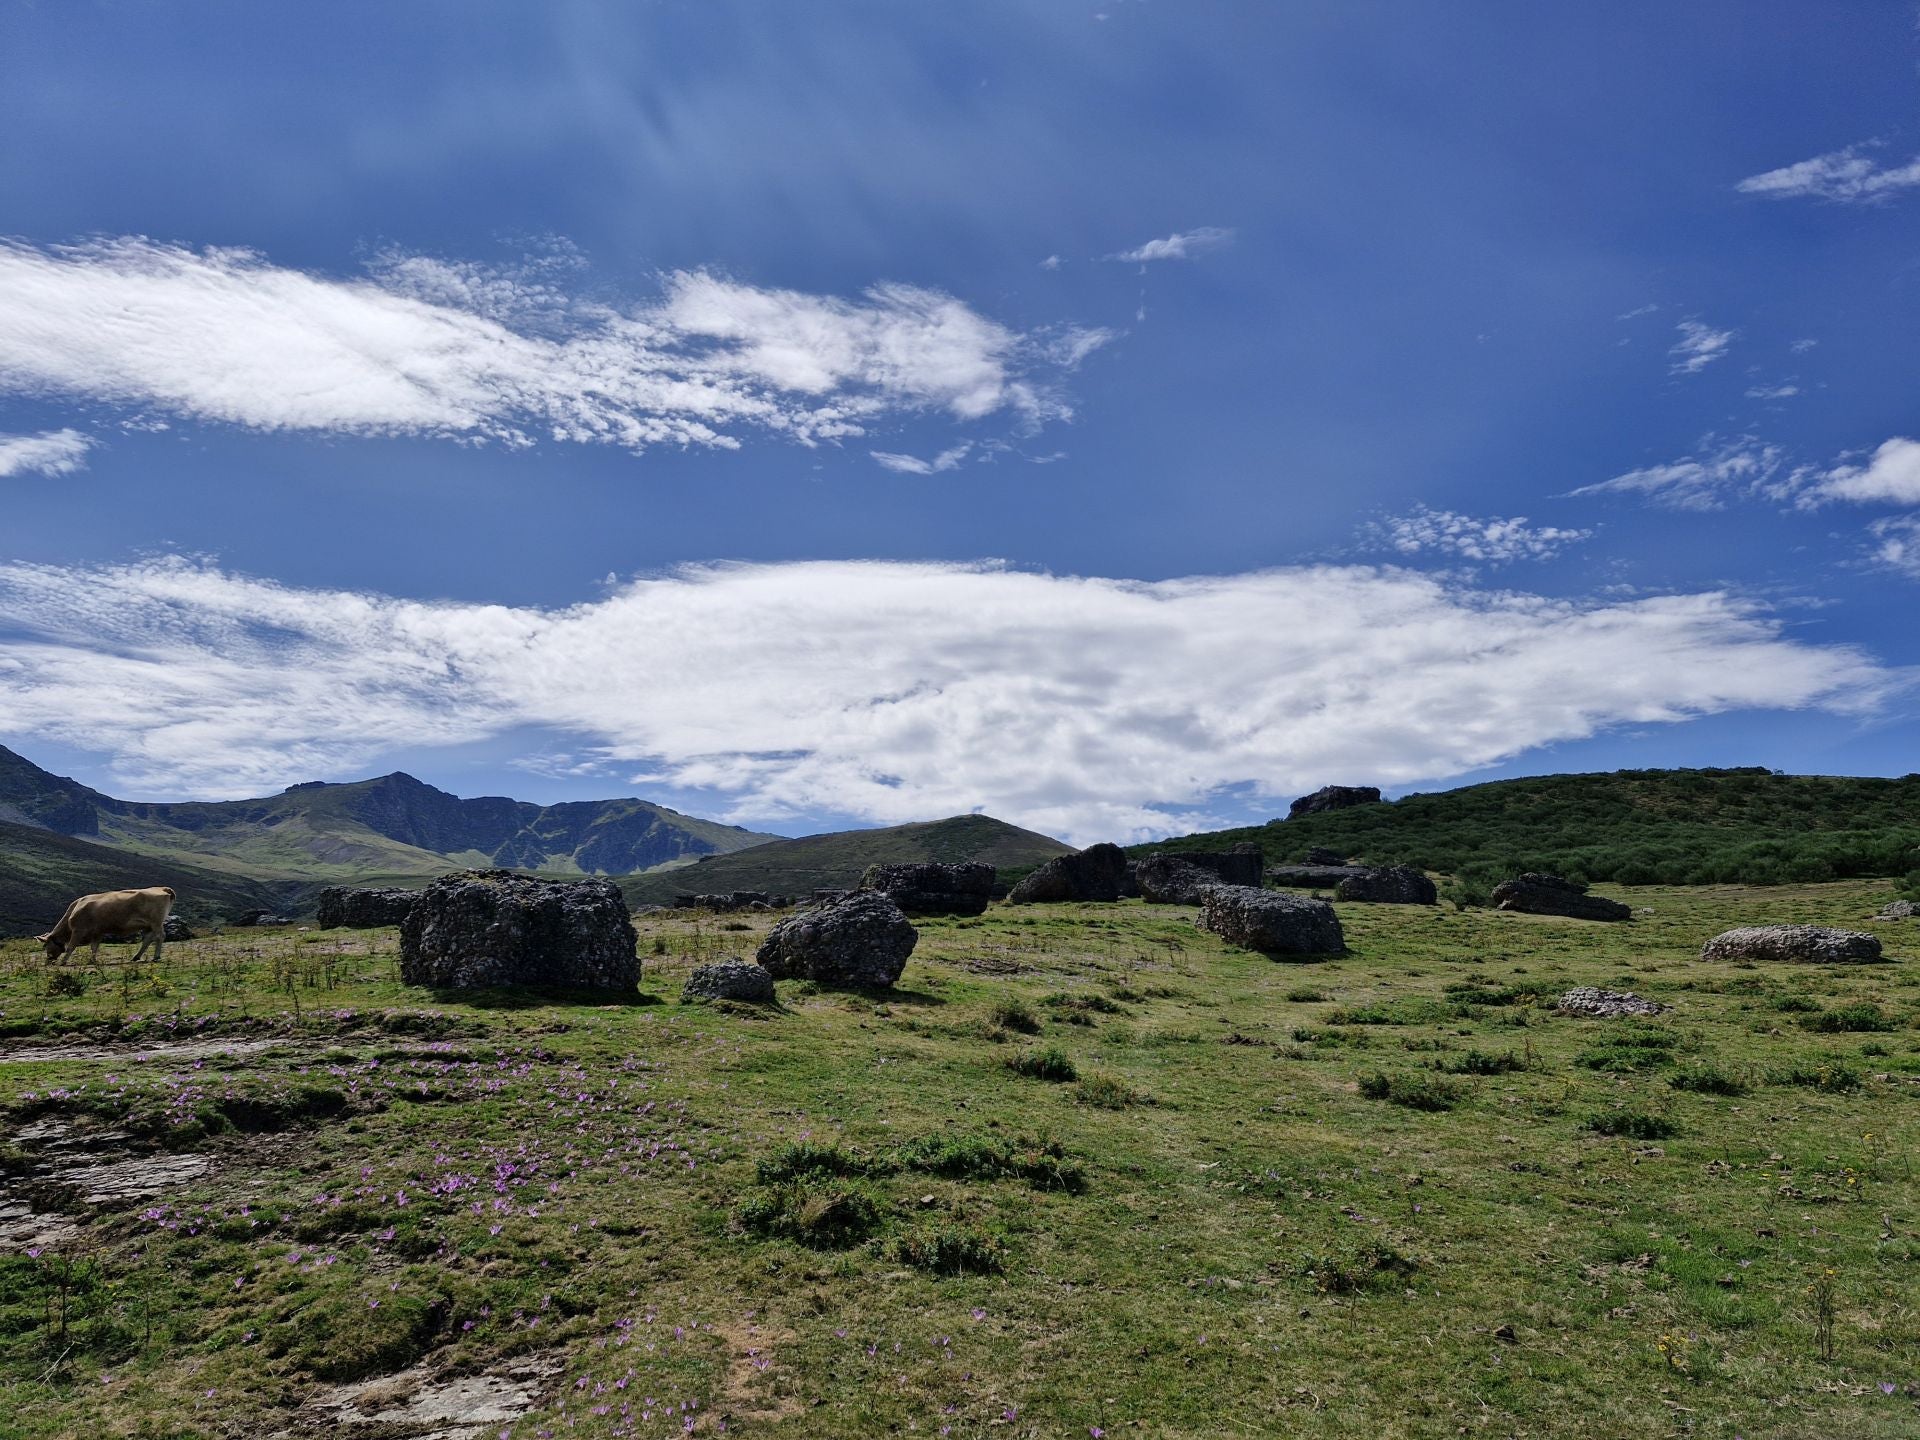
(1118, 417)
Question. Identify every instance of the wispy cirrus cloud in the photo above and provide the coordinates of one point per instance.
(1183, 245)
(1481, 539)
(1087, 707)
(1699, 346)
(946, 460)
(1845, 176)
(51, 452)
(1721, 471)
(422, 346)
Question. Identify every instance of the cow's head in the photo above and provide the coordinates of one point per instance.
(52, 946)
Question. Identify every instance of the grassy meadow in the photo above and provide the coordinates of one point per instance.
(1087, 1172)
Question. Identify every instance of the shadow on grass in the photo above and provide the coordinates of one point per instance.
(535, 997)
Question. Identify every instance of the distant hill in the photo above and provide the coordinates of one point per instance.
(392, 827)
(1631, 827)
(40, 871)
(795, 867)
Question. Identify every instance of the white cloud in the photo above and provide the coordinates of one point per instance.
(1772, 392)
(1090, 708)
(914, 465)
(1897, 544)
(1637, 312)
(51, 452)
(1483, 539)
(1800, 347)
(1052, 262)
(1845, 176)
(432, 347)
(1891, 475)
(1744, 466)
(1698, 347)
(1182, 246)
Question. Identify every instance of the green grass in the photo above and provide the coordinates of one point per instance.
(750, 1211)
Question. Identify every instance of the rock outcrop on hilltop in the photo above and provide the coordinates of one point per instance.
(862, 939)
(1389, 885)
(1097, 873)
(1815, 944)
(930, 888)
(1272, 923)
(497, 927)
(1534, 894)
(342, 906)
(1333, 797)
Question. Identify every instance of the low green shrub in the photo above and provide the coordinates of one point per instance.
(1416, 1092)
(1480, 1062)
(823, 1213)
(1632, 1125)
(1015, 1015)
(1355, 1269)
(952, 1250)
(1108, 1092)
(1834, 1076)
(1704, 1079)
(1859, 1018)
(1049, 1062)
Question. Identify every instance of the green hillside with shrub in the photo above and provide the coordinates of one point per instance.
(1627, 827)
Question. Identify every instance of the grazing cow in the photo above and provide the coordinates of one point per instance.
(93, 918)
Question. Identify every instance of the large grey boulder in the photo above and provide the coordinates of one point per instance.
(862, 939)
(1173, 880)
(1535, 894)
(1314, 877)
(1275, 924)
(1892, 910)
(729, 979)
(933, 889)
(1812, 943)
(498, 927)
(1097, 873)
(1389, 885)
(1333, 797)
(344, 906)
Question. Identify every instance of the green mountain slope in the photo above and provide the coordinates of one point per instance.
(391, 826)
(1631, 827)
(795, 867)
(41, 871)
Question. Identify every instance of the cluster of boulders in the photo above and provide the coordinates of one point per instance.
(933, 889)
(1598, 1004)
(731, 901)
(1817, 944)
(1098, 873)
(1333, 797)
(342, 906)
(862, 939)
(1535, 894)
(499, 927)
(1270, 922)
(1173, 880)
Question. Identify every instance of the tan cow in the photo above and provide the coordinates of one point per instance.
(93, 918)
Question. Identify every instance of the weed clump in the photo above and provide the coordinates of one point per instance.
(804, 1157)
(1706, 1079)
(1480, 1062)
(1833, 1076)
(1015, 1015)
(820, 1212)
(1357, 1269)
(1632, 1125)
(1416, 1092)
(952, 1250)
(1306, 995)
(1109, 1092)
(1864, 1017)
(1049, 1062)
(1043, 1164)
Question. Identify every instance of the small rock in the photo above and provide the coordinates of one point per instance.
(729, 979)
(1600, 1004)
(1809, 943)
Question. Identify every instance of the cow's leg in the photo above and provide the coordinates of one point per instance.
(146, 939)
(96, 954)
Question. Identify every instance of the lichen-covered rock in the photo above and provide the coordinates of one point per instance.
(933, 889)
(344, 906)
(729, 979)
(1389, 885)
(1333, 797)
(862, 939)
(1314, 877)
(1534, 894)
(1820, 944)
(1173, 880)
(1598, 1004)
(497, 927)
(1097, 873)
(1272, 923)
(1892, 910)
